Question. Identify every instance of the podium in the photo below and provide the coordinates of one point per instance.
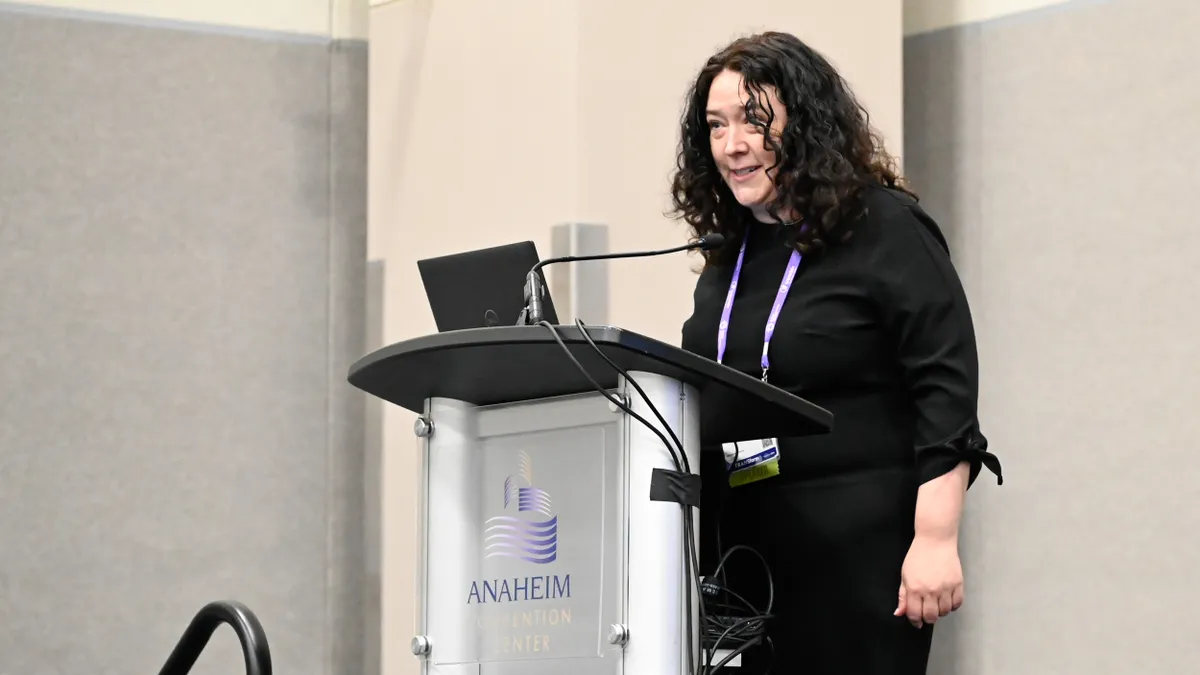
(543, 552)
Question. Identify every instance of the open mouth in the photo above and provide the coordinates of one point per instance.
(746, 172)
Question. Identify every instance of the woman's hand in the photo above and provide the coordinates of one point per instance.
(931, 580)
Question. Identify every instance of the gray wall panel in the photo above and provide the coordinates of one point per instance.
(181, 273)
(372, 608)
(1058, 145)
(348, 311)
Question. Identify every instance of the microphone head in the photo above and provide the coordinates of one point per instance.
(710, 241)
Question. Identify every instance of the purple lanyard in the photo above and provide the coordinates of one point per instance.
(723, 330)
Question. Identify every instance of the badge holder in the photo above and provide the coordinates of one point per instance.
(761, 459)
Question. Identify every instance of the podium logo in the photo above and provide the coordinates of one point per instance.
(532, 533)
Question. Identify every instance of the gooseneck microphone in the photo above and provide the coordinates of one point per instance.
(535, 291)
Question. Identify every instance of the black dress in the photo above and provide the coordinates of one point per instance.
(876, 330)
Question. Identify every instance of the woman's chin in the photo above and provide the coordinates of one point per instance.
(750, 196)
(752, 201)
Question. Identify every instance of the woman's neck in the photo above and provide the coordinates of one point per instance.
(788, 217)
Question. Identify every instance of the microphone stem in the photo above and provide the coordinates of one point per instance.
(534, 312)
(533, 286)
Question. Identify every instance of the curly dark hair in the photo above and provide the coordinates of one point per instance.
(827, 153)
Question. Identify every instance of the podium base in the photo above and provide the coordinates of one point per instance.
(544, 553)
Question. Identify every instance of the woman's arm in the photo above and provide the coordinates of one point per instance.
(940, 503)
(925, 310)
(931, 580)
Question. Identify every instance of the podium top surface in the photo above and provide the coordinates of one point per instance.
(501, 364)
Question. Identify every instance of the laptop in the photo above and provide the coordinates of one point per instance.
(483, 288)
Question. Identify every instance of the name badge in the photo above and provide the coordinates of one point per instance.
(751, 461)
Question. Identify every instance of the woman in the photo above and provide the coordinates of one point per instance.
(859, 527)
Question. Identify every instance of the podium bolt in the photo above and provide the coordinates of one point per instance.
(618, 634)
(613, 407)
(423, 427)
(420, 645)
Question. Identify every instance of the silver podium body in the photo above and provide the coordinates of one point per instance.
(542, 550)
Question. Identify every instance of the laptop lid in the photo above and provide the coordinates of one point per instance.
(465, 289)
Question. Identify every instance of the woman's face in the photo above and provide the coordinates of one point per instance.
(737, 145)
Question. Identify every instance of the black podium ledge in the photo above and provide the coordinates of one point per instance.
(502, 364)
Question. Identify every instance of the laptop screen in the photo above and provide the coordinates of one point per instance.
(477, 289)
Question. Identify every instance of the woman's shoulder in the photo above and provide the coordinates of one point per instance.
(892, 217)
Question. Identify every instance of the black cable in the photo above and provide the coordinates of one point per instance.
(612, 399)
(692, 554)
(754, 625)
(752, 621)
(742, 625)
(679, 459)
(742, 648)
(766, 568)
(625, 374)
(737, 453)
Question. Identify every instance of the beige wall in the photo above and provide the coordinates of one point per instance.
(492, 122)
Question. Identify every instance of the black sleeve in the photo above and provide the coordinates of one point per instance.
(924, 309)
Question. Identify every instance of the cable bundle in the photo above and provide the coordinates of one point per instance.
(737, 626)
(734, 622)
